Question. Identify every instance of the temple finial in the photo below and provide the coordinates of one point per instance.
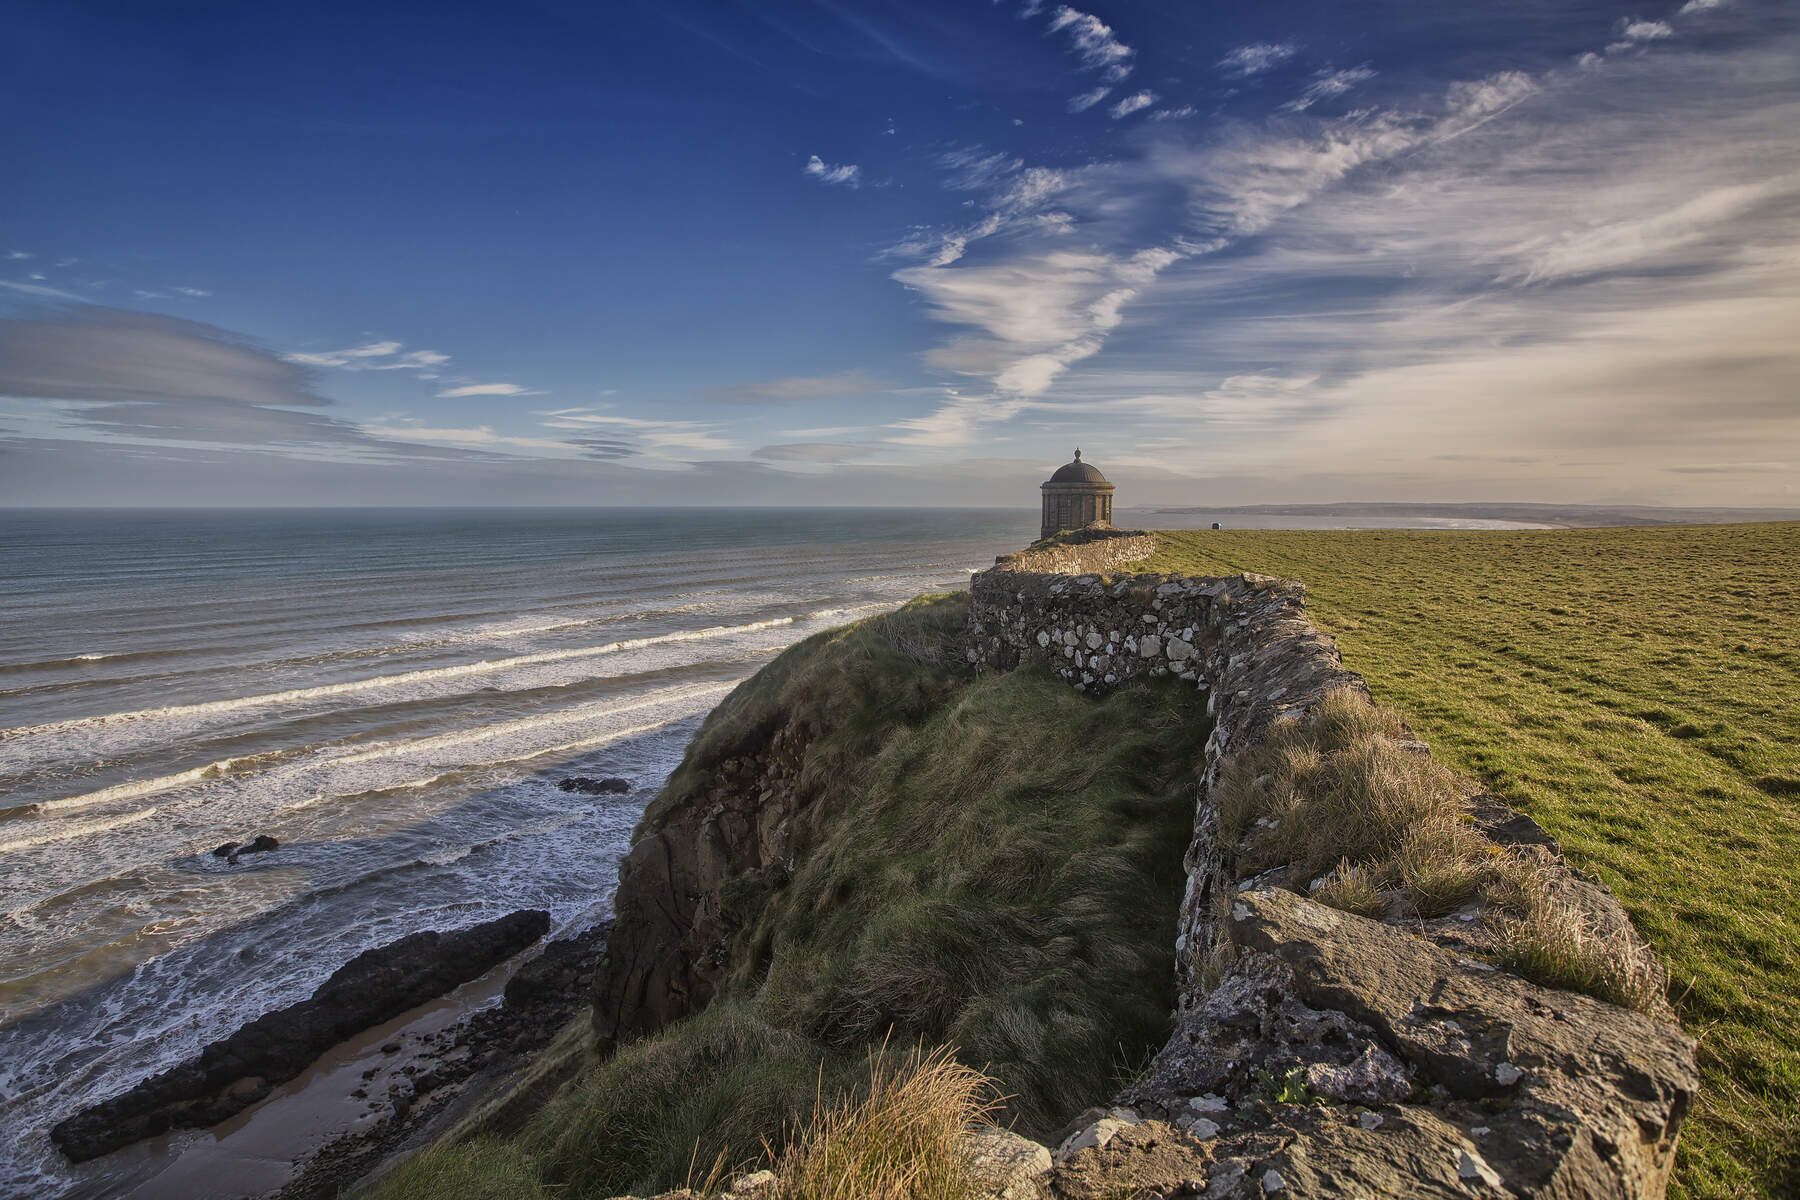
(1078, 454)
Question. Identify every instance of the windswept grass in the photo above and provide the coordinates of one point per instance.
(987, 864)
(1634, 690)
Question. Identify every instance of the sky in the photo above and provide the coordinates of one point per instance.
(899, 251)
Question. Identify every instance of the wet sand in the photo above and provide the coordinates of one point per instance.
(390, 1086)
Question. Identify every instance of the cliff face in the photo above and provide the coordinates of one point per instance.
(673, 936)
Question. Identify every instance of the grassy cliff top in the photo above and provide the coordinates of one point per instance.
(1634, 690)
(988, 863)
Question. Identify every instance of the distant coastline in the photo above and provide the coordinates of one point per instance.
(1406, 515)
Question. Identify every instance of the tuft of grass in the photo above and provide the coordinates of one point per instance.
(902, 1138)
(1552, 942)
(1443, 863)
(1682, 824)
(1335, 786)
(1351, 889)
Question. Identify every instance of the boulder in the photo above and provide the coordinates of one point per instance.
(583, 785)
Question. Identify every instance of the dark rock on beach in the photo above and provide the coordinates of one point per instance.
(582, 784)
(230, 1075)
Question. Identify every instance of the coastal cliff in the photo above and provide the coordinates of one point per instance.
(1220, 925)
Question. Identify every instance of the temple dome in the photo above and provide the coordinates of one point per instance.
(1077, 472)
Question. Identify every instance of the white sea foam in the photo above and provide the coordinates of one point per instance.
(236, 767)
(63, 832)
(432, 674)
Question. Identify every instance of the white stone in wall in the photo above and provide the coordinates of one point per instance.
(1093, 640)
(1043, 639)
(1149, 647)
(1179, 650)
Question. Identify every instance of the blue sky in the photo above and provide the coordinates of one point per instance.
(831, 252)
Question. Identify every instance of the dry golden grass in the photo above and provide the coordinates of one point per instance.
(1553, 942)
(1336, 785)
(903, 1140)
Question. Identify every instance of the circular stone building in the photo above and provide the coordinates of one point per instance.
(1075, 497)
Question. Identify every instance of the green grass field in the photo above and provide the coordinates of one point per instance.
(1637, 691)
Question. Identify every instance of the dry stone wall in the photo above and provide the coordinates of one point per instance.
(1439, 1074)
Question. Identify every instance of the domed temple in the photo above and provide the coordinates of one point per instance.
(1075, 497)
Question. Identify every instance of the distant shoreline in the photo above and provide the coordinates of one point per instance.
(1393, 515)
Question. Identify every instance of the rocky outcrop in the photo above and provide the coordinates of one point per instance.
(1355, 1058)
(230, 1075)
(675, 916)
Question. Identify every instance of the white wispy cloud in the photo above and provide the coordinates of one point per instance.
(669, 440)
(1256, 58)
(1087, 100)
(29, 288)
(1528, 261)
(797, 388)
(1174, 114)
(1095, 46)
(1327, 84)
(1134, 103)
(191, 291)
(17, 255)
(1634, 34)
(843, 174)
(479, 437)
(485, 389)
(1699, 6)
(374, 356)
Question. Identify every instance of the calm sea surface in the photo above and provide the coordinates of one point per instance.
(393, 695)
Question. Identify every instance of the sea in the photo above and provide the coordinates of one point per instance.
(394, 696)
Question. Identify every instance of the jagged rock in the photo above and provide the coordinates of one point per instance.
(1097, 1133)
(230, 1075)
(753, 1186)
(1006, 1165)
(565, 968)
(585, 786)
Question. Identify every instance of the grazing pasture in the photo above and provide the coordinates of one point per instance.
(1637, 691)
